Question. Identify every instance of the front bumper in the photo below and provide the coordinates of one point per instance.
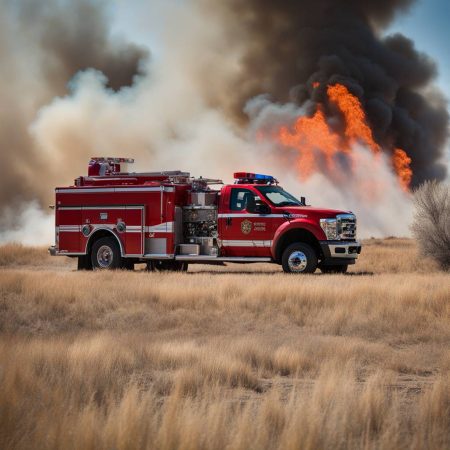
(340, 252)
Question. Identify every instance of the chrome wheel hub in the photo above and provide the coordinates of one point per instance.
(297, 261)
(104, 256)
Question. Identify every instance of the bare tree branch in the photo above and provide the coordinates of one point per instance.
(431, 224)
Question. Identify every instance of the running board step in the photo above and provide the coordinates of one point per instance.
(221, 258)
(207, 258)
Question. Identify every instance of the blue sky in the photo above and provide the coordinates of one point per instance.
(428, 25)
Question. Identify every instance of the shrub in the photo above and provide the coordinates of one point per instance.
(431, 224)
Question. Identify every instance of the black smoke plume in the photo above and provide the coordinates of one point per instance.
(42, 46)
(289, 44)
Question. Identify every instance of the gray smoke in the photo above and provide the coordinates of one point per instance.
(289, 44)
(42, 45)
(63, 99)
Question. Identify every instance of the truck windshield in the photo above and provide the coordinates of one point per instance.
(278, 196)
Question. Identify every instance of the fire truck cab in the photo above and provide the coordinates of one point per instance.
(112, 219)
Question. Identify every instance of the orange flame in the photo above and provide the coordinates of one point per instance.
(311, 134)
(356, 127)
(401, 162)
(317, 143)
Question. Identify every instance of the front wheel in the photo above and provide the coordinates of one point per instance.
(299, 258)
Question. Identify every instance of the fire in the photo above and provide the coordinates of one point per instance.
(311, 134)
(356, 127)
(401, 162)
(318, 145)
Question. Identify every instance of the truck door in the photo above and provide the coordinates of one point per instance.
(241, 231)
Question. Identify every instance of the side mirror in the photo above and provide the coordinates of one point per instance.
(262, 208)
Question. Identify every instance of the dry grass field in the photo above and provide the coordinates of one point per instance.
(234, 357)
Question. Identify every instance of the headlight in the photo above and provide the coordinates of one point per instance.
(329, 227)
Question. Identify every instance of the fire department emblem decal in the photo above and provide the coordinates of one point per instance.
(246, 226)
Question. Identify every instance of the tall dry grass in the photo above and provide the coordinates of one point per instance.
(68, 395)
(218, 359)
(391, 255)
(15, 255)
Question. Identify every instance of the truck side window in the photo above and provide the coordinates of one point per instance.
(242, 199)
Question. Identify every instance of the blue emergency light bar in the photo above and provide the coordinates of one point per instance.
(254, 178)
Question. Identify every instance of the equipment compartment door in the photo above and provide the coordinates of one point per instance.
(134, 219)
(68, 231)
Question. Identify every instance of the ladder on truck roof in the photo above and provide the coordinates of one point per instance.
(110, 165)
(112, 159)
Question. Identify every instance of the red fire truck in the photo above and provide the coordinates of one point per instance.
(114, 219)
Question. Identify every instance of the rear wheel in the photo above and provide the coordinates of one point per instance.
(167, 266)
(105, 254)
(84, 263)
(127, 264)
(299, 258)
(334, 269)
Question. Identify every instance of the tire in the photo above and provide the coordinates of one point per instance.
(84, 263)
(334, 269)
(299, 258)
(127, 264)
(167, 266)
(105, 254)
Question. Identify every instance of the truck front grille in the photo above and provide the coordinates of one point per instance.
(346, 226)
